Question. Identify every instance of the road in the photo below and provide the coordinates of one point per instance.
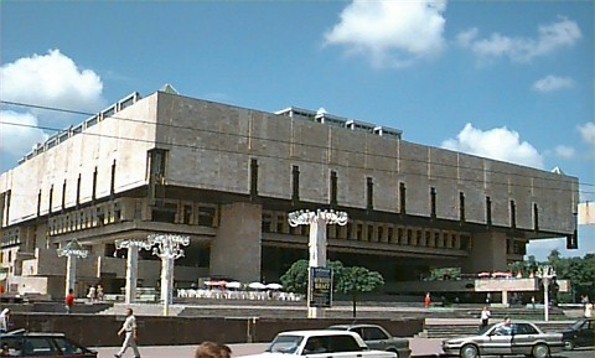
(420, 347)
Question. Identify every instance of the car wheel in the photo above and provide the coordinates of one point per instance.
(568, 345)
(393, 351)
(469, 351)
(540, 351)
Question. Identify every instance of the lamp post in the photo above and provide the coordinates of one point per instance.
(168, 250)
(318, 220)
(546, 273)
(72, 251)
(133, 246)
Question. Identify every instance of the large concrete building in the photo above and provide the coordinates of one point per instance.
(228, 176)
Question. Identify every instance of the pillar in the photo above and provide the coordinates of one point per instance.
(70, 274)
(167, 282)
(236, 251)
(131, 274)
(488, 253)
(317, 249)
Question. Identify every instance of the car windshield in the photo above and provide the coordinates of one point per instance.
(578, 324)
(285, 344)
(485, 329)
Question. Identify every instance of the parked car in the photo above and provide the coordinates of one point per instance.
(376, 337)
(518, 338)
(580, 334)
(48, 345)
(320, 343)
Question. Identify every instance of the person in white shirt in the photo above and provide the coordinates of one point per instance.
(4, 317)
(588, 310)
(129, 331)
(485, 316)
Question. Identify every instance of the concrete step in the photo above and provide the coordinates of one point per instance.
(142, 309)
(441, 328)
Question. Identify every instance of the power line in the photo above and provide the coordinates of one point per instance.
(274, 140)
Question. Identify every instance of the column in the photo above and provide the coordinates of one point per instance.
(72, 251)
(131, 274)
(317, 244)
(317, 248)
(488, 253)
(168, 250)
(132, 245)
(236, 251)
(70, 273)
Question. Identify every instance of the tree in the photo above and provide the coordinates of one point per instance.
(579, 271)
(295, 279)
(351, 281)
(356, 280)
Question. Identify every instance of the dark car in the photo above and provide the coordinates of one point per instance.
(46, 345)
(376, 337)
(580, 334)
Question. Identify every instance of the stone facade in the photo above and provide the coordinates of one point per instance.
(227, 176)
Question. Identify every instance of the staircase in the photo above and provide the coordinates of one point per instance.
(142, 309)
(450, 328)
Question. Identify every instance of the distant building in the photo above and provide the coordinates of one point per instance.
(228, 176)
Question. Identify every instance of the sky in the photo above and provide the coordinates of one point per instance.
(509, 80)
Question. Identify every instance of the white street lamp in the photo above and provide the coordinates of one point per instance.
(168, 249)
(318, 220)
(546, 273)
(72, 251)
(133, 246)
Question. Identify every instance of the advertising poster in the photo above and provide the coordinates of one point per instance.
(321, 287)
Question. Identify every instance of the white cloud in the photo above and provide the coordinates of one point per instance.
(587, 132)
(466, 38)
(391, 33)
(52, 80)
(552, 83)
(563, 33)
(18, 132)
(565, 152)
(497, 143)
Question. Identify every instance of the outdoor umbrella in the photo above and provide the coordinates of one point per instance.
(234, 284)
(274, 286)
(256, 286)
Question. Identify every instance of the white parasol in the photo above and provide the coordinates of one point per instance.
(274, 286)
(257, 286)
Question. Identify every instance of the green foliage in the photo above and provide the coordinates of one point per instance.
(357, 279)
(579, 271)
(445, 273)
(347, 280)
(295, 279)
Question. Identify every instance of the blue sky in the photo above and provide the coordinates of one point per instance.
(511, 80)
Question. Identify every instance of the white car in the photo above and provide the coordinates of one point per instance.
(320, 343)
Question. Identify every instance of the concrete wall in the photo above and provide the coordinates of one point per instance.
(97, 147)
(236, 250)
(522, 284)
(100, 330)
(488, 253)
(215, 154)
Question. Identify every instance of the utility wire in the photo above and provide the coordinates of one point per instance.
(245, 136)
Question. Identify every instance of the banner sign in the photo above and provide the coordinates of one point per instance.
(321, 287)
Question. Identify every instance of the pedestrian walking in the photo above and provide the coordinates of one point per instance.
(212, 350)
(485, 316)
(4, 320)
(99, 293)
(129, 331)
(589, 310)
(91, 294)
(427, 300)
(69, 301)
